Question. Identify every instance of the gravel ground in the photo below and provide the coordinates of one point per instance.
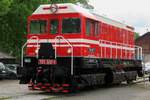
(11, 90)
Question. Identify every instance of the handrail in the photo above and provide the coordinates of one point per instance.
(139, 53)
(122, 46)
(22, 50)
(61, 37)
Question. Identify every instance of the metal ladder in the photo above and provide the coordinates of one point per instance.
(22, 50)
(62, 38)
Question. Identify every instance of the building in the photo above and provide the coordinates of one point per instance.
(144, 42)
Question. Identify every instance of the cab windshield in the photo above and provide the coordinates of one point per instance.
(38, 26)
(71, 25)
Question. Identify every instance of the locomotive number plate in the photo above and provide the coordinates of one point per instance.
(47, 61)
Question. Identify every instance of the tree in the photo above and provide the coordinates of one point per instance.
(136, 35)
(4, 6)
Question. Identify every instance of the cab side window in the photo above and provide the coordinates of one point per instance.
(96, 28)
(88, 27)
(92, 28)
(54, 26)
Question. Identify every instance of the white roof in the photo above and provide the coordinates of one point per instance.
(72, 8)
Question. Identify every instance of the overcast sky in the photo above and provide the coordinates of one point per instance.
(132, 12)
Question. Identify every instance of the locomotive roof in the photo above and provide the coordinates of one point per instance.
(72, 8)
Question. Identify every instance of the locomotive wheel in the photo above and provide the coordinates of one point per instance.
(76, 84)
(108, 78)
(140, 73)
(129, 81)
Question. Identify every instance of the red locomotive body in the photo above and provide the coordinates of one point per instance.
(78, 46)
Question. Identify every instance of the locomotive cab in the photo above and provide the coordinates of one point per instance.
(48, 48)
(51, 26)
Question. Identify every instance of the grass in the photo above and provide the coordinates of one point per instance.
(5, 98)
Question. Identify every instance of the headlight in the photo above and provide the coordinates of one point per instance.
(3, 71)
(69, 51)
(36, 51)
(27, 60)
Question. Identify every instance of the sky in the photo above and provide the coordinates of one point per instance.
(132, 12)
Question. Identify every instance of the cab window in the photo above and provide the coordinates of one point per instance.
(38, 26)
(71, 25)
(88, 27)
(54, 26)
(92, 28)
(96, 29)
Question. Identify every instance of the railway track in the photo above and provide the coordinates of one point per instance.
(142, 79)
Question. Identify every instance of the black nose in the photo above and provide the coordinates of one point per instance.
(58, 72)
(46, 51)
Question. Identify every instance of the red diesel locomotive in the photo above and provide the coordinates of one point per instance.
(69, 47)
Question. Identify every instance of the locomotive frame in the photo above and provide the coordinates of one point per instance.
(98, 51)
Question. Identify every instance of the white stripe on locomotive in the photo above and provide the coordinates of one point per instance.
(80, 41)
